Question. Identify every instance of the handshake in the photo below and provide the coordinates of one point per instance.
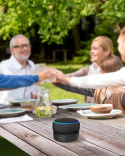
(54, 76)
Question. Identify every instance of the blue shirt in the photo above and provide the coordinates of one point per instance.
(12, 81)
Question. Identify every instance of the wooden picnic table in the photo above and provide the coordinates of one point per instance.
(97, 137)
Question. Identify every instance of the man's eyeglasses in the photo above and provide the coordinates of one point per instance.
(22, 46)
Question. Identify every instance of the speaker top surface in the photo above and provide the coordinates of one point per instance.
(66, 121)
(66, 125)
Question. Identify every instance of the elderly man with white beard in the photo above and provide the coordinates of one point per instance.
(18, 64)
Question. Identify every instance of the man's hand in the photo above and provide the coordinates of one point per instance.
(44, 75)
(33, 96)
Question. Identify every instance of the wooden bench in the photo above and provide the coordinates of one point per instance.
(64, 51)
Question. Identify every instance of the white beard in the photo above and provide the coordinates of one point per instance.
(21, 58)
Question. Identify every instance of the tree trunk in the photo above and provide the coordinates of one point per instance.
(76, 36)
(43, 56)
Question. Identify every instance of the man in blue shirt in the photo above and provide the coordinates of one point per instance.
(12, 81)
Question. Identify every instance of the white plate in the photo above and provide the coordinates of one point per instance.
(80, 106)
(64, 101)
(7, 112)
(18, 101)
(2, 105)
(90, 114)
(22, 100)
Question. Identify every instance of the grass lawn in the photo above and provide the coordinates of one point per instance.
(57, 93)
(8, 149)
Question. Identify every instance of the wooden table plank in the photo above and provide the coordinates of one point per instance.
(104, 141)
(39, 142)
(81, 143)
(20, 143)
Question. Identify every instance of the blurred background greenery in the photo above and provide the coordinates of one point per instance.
(54, 25)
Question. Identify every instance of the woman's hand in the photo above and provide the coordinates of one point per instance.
(60, 77)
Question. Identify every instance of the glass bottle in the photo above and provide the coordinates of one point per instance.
(43, 103)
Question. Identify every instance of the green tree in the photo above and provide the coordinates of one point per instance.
(56, 17)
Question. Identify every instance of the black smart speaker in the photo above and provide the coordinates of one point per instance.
(66, 129)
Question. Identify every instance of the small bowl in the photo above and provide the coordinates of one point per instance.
(54, 109)
(101, 108)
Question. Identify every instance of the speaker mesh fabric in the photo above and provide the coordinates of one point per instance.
(65, 137)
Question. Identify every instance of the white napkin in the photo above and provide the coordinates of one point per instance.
(79, 111)
(16, 119)
(63, 107)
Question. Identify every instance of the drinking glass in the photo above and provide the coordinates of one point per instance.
(39, 68)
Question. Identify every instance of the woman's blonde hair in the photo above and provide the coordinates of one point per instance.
(111, 63)
(105, 42)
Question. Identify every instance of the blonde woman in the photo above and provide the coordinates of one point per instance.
(101, 47)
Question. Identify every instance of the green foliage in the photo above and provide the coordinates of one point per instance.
(113, 11)
(84, 53)
(54, 18)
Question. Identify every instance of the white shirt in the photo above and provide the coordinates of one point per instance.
(93, 69)
(108, 94)
(98, 81)
(13, 67)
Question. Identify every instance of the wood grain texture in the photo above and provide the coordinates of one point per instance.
(37, 141)
(20, 143)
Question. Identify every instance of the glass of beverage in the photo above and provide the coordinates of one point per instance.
(41, 67)
(43, 104)
(52, 78)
